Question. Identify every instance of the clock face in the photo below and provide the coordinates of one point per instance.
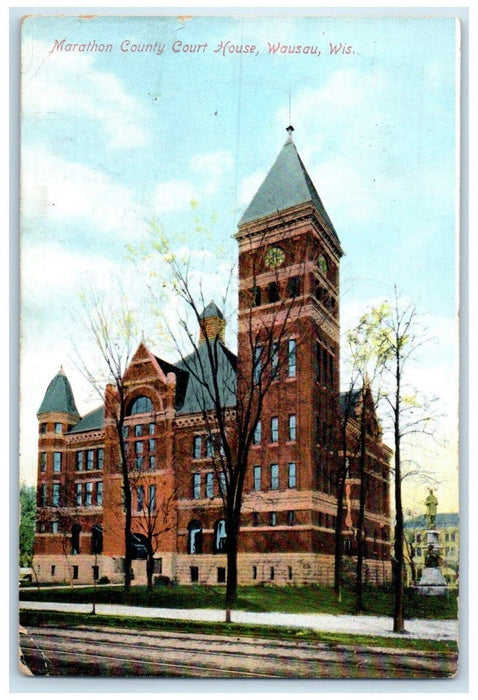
(274, 257)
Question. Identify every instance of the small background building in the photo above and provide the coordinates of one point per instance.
(447, 526)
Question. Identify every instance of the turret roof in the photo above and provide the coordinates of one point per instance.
(59, 396)
(286, 185)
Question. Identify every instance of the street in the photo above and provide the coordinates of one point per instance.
(97, 651)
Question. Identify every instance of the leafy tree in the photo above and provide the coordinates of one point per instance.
(393, 338)
(27, 523)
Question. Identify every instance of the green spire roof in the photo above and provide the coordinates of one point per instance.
(287, 184)
(59, 396)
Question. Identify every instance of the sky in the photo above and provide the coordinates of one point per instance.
(112, 140)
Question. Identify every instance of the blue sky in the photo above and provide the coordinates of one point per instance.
(113, 140)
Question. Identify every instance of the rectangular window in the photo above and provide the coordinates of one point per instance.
(272, 518)
(58, 428)
(254, 573)
(43, 461)
(273, 289)
(53, 569)
(125, 432)
(194, 570)
(256, 296)
(99, 493)
(290, 517)
(292, 427)
(57, 461)
(258, 433)
(54, 527)
(209, 485)
(289, 573)
(138, 430)
(272, 573)
(257, 478)
(196, 485)
(43, 495)
(152, 462)
(292, 476)
(96, 572)
(152, 498)
(140, 498)
(151, 428)
(275, 361)
(138, 448)
(90, 459)
(222, 483)
(42, 428)
(152, 453)
(274, 429)
(221, 574)
(209, 447)
(100, 457)
(75, 571)
(197, 441)
(79, 461)
(55, 495)
(292, 358)
(255, 519)
(274, 476)
(293, 287)
(257, 363)
(88, 493)
(79, 494)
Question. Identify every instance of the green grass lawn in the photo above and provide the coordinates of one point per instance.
(303, 599)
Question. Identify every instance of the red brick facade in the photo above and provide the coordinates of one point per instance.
(289, 281)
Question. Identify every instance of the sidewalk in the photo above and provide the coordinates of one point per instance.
(352, 624)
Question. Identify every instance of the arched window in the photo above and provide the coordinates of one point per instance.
(96, 539)
(141, 404)
(220, 537)
(194, 537)
(75, 539)
(322, 264)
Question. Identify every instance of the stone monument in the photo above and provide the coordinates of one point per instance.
(432, 581)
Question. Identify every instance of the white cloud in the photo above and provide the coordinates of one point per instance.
(55, 190)
(212, 167)
(172, 195)
(58, 84)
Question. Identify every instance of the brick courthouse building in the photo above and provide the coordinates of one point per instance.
(289, 258)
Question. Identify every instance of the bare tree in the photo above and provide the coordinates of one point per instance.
(112, 333)
(230, 393)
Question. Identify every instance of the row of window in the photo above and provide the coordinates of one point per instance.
(204, 447)
(272, 293)
(89, 459)
(221, 574)
(58, 428)
(261, 360)
(272, 482)
(146, 499)
(138, 430)
(418, 537)
(87, 493)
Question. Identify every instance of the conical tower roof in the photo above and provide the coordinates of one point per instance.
(286, 185)
(59, 397)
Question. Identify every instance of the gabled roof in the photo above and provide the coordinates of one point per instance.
(286, 185)
(59, 396)
(181, 380)
(94, 420)
(198, 366)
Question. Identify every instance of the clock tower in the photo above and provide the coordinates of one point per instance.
(289, 257)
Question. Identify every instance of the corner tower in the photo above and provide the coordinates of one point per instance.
(289, 258)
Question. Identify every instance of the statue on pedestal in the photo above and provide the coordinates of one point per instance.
(431, 503)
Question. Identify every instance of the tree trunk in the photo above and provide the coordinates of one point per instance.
(231, 581)
(361, 515)
(338, 537)
(398, 621)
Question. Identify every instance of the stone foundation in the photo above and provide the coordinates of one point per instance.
(281, 569)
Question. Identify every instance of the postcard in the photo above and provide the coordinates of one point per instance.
(239, 346)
